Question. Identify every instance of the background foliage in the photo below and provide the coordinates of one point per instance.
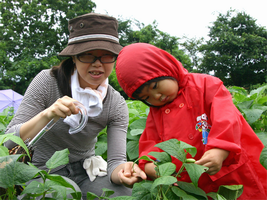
(237, 50)
(252, 105)
(33, 32)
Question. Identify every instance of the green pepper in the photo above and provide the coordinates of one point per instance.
(190, 160)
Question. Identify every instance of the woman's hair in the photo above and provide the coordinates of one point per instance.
(139, 90)
(63, 73)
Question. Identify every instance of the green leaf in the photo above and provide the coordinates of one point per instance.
(230, 191)
(134, 112)
(180, 193)
(161, 157)
(172, 147)
(59, 192)
(133, 149)
(91, 196)
(239, 90)
(195, 171)
(3, 151)
(259, 91)
(59, 180)
(2, 127)
(252, 115)
(138, 124)
(59, 158)
(145, 158)
(101, 148)
(16, 140)
(15, 173)
(60, 187)
(263, 157)
(141, 190)
(262, 100)
(167, 169)
(34, 187)
(137, 107)
(107, 192)
(177, 148)
(166, 189)
(135, 132)
(76, 195)
(130, 137)
(190, 188)
(164, 180)
(245, 105)
(216, 196)
(123, 198)
(263, 137)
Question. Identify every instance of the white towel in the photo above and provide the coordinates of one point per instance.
(91, 99)
(95, 166)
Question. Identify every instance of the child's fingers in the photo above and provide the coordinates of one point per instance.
(139, 173)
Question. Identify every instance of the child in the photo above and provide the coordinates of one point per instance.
(196, 109)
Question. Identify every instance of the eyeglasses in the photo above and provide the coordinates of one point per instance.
(88, 58)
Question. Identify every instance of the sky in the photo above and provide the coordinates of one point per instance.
(190, 18)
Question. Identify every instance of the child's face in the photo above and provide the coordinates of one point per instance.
(160, 93)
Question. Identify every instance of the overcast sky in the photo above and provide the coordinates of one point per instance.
(178, 18)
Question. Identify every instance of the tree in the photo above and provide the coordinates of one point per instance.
(192, 46)
(237, 50)
(147, 34)
(152, 35)
(33, 32)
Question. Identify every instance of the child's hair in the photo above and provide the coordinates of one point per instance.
(139, 90)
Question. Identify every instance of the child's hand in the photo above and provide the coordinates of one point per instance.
(150, 170)
(213, 159)
(130, 174)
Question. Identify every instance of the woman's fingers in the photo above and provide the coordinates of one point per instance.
(130, 174)
(63, 107)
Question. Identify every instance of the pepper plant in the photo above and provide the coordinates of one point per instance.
(15, 174)
(166, 185)
(253, 106)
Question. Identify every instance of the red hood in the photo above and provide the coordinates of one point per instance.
(140, 62)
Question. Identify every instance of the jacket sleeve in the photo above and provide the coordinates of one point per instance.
(225, 119)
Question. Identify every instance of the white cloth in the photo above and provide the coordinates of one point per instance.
(91, 99)
(95, 166)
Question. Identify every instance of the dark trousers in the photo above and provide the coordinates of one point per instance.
(77, 173)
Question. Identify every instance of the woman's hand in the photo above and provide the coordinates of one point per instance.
(63, 107)
(213, 159)
(130, 173)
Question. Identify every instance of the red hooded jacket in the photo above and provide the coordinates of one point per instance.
(203, 107)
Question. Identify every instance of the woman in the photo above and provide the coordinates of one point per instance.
(92, 49)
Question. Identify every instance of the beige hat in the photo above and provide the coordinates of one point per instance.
(90, 32)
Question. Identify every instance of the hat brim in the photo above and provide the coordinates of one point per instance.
(78, 48)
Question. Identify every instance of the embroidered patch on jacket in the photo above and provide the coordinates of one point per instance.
(203, 126)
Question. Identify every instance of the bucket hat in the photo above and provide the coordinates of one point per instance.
(90, 32)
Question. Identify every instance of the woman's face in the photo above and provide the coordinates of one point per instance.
(93, 74)
(160, 93)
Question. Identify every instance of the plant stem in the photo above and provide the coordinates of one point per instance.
(180, 170)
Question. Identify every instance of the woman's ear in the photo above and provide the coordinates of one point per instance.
(73, 59)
